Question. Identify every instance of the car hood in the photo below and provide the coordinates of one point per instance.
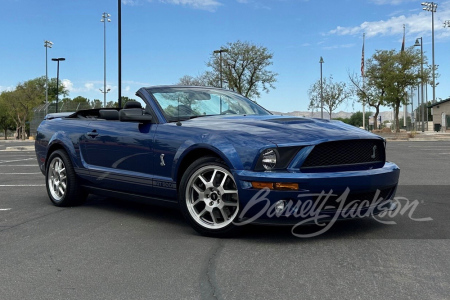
(282, 130)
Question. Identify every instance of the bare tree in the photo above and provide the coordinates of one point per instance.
(368, 94)
(334, 94)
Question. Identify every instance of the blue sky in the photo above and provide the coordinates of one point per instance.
(163, 40)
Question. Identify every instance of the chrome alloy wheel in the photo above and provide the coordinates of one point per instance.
(57, 181)
(212, 197)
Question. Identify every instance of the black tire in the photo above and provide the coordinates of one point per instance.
(61, 181)
(210, 203)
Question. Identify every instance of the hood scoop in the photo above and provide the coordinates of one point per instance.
(290, 121)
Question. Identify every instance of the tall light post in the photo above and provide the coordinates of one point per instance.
(57, 79)
(105, 18)
(421, 80)
(220, 63)
(431, 6)
(119, 50)
(321, 88)
(47, 44)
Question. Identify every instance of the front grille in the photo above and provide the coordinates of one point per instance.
(348, 155)
(354, 199)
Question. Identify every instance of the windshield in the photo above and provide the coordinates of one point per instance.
(181, 103)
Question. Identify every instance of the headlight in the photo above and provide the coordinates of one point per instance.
(269, 159)
(276, 158)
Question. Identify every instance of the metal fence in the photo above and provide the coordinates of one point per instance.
(40, 112)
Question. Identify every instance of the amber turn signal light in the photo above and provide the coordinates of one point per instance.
(283, 186)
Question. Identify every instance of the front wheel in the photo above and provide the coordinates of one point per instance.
(208, 197)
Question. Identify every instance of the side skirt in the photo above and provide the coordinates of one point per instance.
(132, 197)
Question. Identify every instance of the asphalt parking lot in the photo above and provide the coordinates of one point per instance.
(113, 249)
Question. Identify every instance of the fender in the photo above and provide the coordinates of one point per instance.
(225, 148)
(63, 140)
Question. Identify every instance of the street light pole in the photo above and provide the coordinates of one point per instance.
(105, 18)
(421, 80)
(431, 6)
(119, 52)
(47, 44)
(57, 79)
(220, 63)
(321, 88)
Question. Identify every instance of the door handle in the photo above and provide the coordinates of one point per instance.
(92, 133)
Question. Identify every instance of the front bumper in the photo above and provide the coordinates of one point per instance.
(327, 196)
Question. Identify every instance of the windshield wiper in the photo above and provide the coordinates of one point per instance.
(193, 117)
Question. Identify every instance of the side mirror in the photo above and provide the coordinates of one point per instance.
(134, 115)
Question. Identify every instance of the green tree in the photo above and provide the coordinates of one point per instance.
(21, 101)
(96, 103)
(356, 119)
(334, 94)
(62, 91)
(345, 120)
(6, 122)
(244, 68)
(124, 99)
(389, 73)
(405, 73)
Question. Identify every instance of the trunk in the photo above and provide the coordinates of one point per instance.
(397, 121)
(6, 133)
(24, 133)
(375, 117)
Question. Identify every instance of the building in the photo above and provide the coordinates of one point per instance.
(441, 115)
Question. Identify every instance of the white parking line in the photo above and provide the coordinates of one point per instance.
(3, 209)
(7, 154)
(20, 173)
(8, 161)
(10, 185)
(20, 165)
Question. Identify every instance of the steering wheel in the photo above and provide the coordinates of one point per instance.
(228, 111)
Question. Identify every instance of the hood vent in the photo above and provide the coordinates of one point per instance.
(290, 121)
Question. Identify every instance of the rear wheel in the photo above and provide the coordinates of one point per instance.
(208, 197)
(61, 181)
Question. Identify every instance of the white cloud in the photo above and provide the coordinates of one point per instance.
(210, 5)
(130, 2)
(254, 4)
(68, 85)
(89, 86)
(339, 46)
(127, 88)
(391, 2)
(6, 88)
(416, 24)
(138, 83)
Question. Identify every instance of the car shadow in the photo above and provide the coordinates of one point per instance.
(166, 216)
(355, 229)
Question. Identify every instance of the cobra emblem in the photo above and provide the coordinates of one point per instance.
(374, 152)
(162, 163)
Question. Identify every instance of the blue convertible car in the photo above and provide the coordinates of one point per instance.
(222, 159)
